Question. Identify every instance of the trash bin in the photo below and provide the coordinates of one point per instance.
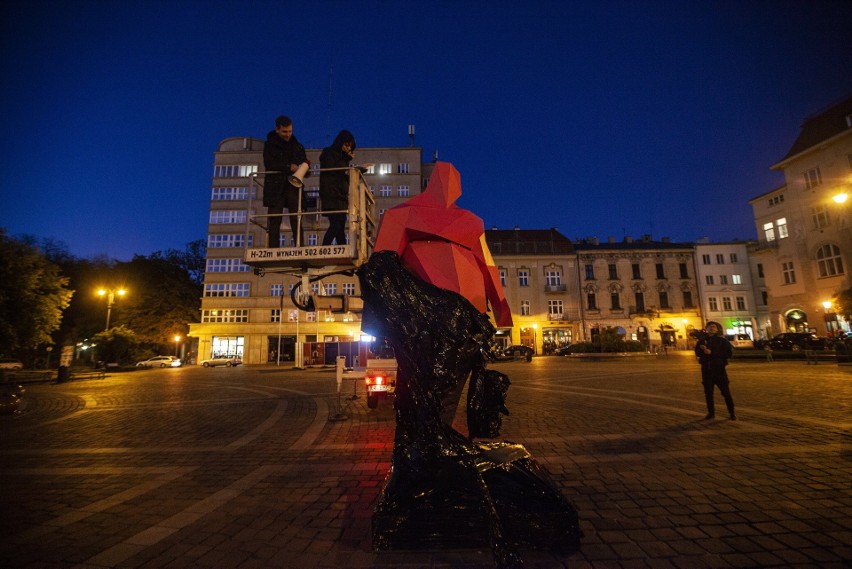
(64, 374)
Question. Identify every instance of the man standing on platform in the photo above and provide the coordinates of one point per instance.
(282, 155)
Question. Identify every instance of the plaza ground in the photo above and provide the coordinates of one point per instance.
(244, 467)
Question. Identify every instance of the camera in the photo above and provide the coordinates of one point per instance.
(700, 335)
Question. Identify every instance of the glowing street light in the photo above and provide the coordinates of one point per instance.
(840, 198)
(177, 343)
(110, 296)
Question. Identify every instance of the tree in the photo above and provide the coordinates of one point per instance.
(115, 345)
(33, 294)
(843, 304)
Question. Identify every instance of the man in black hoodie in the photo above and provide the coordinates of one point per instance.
(334, 185)
(713, 352)
(282, 155)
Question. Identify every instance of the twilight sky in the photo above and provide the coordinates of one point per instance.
(601, 118)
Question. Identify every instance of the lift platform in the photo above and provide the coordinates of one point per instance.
(318, 260)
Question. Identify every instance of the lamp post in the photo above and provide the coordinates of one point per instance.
(177, 343)
(535, 345)
(110, 296)
(829, 317)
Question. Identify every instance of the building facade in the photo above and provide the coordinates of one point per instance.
(646, 289)
(804, 228)
(730, 286)
(539, 277)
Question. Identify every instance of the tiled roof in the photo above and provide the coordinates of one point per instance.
(528, 242)
(634, 245)
(822, 126)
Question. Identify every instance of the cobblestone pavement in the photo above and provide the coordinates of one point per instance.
(243, 467)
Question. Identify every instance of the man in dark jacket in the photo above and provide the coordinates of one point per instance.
(334, 185)
(282, 155)
(713, 353)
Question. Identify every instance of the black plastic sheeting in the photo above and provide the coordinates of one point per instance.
(445, 490)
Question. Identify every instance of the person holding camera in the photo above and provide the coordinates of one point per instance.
(714, 351)
(282, 155)
(334, 185)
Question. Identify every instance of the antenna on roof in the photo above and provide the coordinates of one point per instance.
(328, 114)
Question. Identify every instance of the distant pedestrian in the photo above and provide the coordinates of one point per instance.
(713, 352)
(768, 349)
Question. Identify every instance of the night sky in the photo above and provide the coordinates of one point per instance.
(599, 118)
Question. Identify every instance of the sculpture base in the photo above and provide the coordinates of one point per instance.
(440, 504)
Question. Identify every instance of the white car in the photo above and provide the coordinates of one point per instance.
(222, 361)
(7, 363)
(160, 361)
(740, 340)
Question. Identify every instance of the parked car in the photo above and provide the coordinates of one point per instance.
(740, 340)
(8, 363)
(222, 361)
(160, 361)
(797, 341)
(515, 352)
(564, 350)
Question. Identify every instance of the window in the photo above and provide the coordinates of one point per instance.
(402, 168)
(737, 279)
(403, 191)
(760, 270)
(723, 279)
(219, 315)
(733, 258)
(312, 240)
(661, 271)
(769, 231)
(615, 301)
(720, 258)
(385, 168)
(637, 274)
(590, 272)
(789, 272)
(708, 279)
(726, 303)
(523, 277)
(613, 272)
(640, 302)
(664, 299)
(591, 301)
(503, 277)
(224, 240)
(525, 308)
(781, 225)
(234, 170)
(226, 266)
(819, 216)
(385, 191)
(554, 309)
(687, 299)
(764, 297)
(330, 288)
(684, 271)
(226, 289)
(223, 194)
(349, 289)
(829, 261)
(741, 303)
(218, 216)
(275, 315)
(705, 259)
(813, 178)
(553, 277)
(714, 304)
(779, 199)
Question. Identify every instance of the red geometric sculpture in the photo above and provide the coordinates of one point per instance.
(444, 244)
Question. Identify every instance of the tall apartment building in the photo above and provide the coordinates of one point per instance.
(251, 315)
(647, 289)
(805, 227)
(730, 286)
(539, 277)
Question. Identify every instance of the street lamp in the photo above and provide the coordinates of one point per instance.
(535, 348)
(177, 340)
(830, 318)
(110, 296)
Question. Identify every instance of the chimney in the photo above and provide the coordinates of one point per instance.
(628, 239)
(610, 239)
(667, 239)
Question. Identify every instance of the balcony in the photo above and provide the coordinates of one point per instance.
(763, 245)
(554, 317)
(555, 288)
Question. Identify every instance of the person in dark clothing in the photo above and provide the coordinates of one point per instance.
(713, 353)
(282, 155)
(334, 186)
